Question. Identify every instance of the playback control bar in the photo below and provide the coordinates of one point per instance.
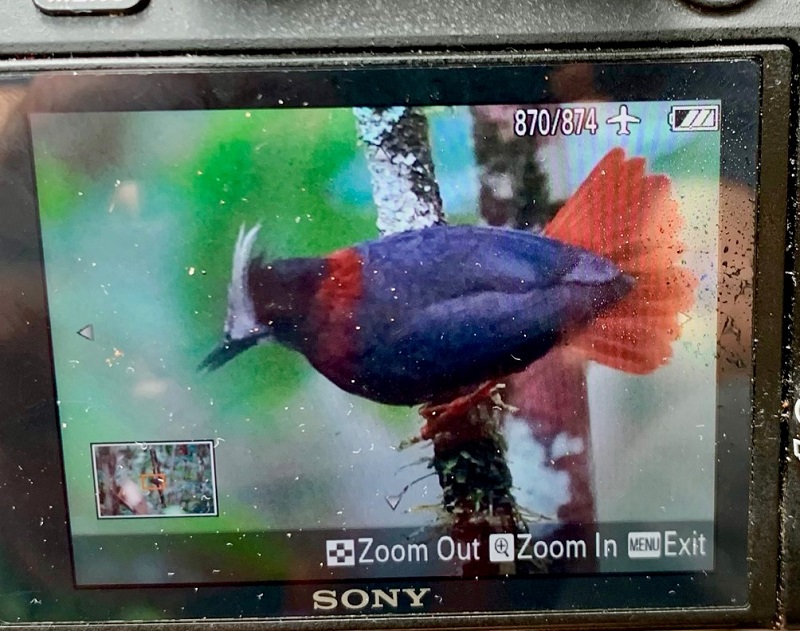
(391, 553)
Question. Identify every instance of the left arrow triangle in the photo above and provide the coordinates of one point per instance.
(87, 332)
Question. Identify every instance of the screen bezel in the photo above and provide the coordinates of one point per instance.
(754, 597)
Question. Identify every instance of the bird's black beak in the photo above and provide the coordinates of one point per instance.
(225, 352)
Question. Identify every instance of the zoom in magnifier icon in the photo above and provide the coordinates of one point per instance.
(501, 548)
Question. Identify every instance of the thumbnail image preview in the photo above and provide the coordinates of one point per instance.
(155, 479)
(168, 203)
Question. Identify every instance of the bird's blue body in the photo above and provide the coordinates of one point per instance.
(446, 308)
(422, 316)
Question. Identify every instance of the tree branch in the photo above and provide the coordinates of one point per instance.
(398, 153)
(513, 189)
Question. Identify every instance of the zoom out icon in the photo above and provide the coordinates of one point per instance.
(340, 553)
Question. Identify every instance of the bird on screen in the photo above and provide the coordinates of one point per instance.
(427, 316)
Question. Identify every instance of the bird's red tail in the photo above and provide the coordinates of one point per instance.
(630, 218)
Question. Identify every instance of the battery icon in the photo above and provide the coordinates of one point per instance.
(694, 118)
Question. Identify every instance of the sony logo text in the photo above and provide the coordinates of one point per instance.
(372, 599)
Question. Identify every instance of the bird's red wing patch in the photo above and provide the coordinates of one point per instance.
(334, 311)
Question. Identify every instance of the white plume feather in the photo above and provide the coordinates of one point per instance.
(241, 320)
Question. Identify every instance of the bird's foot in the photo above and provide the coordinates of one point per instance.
(448, 416)
(529, 516)
(409, 442)
(497, 399)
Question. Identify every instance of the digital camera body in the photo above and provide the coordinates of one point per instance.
(328, 315)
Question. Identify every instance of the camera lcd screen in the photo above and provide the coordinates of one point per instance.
(300, 448)
(340, 326)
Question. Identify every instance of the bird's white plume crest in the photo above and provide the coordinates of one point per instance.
(241, 321)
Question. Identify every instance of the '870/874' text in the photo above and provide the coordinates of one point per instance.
(566, 121)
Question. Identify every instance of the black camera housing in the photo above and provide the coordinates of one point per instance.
(176, 36)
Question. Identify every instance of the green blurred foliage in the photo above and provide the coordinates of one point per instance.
(57, 185)
(270, 168)
(698, 158)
